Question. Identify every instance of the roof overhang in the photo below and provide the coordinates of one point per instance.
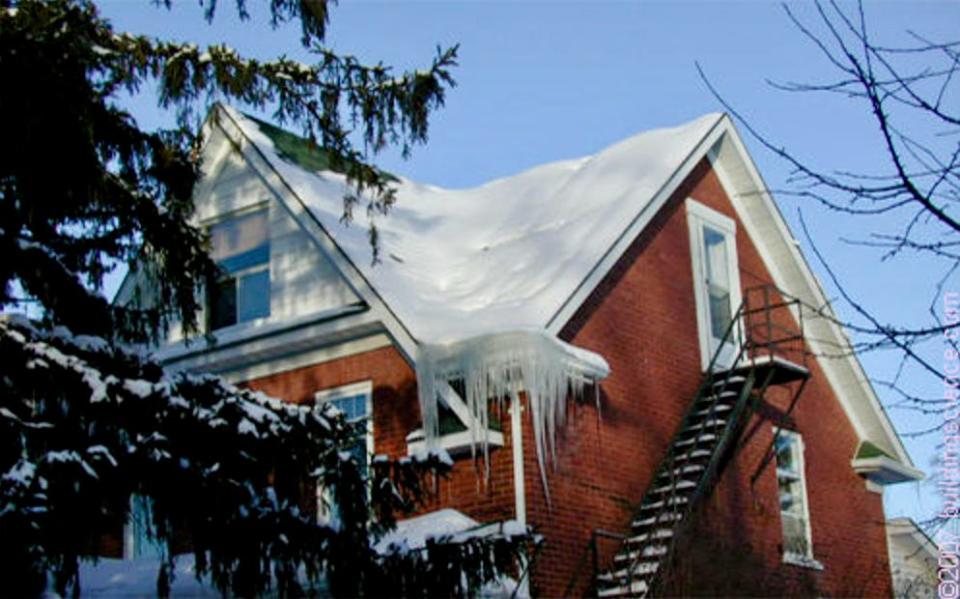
(906, 529)
(885, 471)
(256, 348)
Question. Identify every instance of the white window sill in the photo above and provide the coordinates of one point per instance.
(802, 560)
(454, 443)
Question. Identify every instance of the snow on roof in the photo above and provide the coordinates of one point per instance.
(447, 525)
(503, 256)
(477, 274)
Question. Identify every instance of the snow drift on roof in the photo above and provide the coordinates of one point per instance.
(503, 256)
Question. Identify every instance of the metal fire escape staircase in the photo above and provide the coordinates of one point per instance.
(705, 439)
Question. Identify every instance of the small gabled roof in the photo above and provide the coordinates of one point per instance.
(504, 256)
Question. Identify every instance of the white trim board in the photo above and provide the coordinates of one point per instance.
(320, 355)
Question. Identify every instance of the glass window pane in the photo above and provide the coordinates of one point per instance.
(222, 303)
(715, 247)
(720, 314)
(360, 403)
(716, 270)
(792, 495)
(253, 297)
(786, 460)
(238, 235)
(795, 536)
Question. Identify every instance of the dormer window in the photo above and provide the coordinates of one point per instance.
(241, 247)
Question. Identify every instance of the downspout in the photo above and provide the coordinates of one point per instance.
(519, 489)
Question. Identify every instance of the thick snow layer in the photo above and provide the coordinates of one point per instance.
(413, 533)
(503, 256)
(453, 526)
(448, 525)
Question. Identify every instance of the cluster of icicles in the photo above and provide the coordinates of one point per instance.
(500, 366)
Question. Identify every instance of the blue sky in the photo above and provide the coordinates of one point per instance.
(545, 81)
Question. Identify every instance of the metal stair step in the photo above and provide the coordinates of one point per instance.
(660, 533)
(650, 553)
(712, 421)
(663, 519)
(639, 569)
(728, 380)
(720, 407)
(726, 399)
(655, 505)
(681, 470)
(705, 438)
(677, 485)
(696, 454)
(622, 575)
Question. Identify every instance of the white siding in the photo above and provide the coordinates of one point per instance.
(302, 280)
(233, 187)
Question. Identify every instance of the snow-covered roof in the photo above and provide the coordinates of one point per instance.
(503, 256)
(523, 252)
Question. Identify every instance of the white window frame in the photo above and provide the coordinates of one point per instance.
(792, 557)
(332, 394)
(698, 216)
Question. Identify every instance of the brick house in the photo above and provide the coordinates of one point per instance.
(656, 280)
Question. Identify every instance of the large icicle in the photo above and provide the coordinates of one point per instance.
(499, 365)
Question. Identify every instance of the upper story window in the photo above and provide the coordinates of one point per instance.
(794, 511)
(241, 246)
(716, 277)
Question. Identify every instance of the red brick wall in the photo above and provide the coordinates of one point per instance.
(642, 319)
(395, 414)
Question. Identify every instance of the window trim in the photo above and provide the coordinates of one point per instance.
(792, 557)
(698, 216)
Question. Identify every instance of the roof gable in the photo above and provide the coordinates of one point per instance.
(503, 256)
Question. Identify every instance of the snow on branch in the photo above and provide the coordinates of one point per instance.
(84, 425)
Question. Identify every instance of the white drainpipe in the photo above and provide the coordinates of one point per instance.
(519, 490)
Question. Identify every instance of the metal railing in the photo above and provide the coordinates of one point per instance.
(758, 336)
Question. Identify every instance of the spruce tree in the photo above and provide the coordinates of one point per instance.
(85, 421)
